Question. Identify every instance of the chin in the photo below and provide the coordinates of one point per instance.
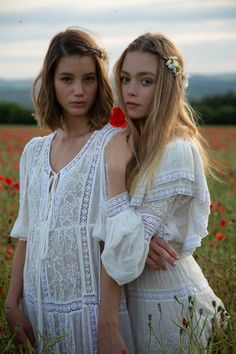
(134, 117)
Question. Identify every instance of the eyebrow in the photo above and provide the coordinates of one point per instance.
(141, 73)
(70, 74)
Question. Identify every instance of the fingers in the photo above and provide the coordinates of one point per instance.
(154, 264)
(160, 252)
(157, 252)
(166, 246)
(30, 334)
(162, 248)
(20, 336)
(20, 327)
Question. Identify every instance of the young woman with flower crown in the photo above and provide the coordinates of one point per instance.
(54, 290)
(156, 172)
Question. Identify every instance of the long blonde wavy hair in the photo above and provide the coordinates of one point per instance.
(171, 115)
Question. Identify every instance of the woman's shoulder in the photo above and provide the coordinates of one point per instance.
(181, 152)
(35, 144)
(181, 145)
(107, 133)
(181, 159)
(111, 129)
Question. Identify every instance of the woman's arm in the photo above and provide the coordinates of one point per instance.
(15, 316)
(109, 337)
(118, 153)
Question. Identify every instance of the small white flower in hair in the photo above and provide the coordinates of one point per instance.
(186, 80)
(174, 66)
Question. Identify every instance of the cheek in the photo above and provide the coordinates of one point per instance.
(59, 91)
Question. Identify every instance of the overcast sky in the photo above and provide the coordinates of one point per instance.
(204, 30)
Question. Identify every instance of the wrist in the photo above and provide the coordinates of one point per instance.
(106, 321)
(10, 304)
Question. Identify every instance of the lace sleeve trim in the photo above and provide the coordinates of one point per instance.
(174, 175)
(152, 226)
(198, 189)
(117, 204)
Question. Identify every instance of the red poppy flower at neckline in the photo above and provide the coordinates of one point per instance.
(117, 118)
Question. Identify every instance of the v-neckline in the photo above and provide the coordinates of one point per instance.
(47, 158)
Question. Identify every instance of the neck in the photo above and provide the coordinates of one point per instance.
(74, 128)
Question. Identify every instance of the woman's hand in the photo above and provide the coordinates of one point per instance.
(161, 252)
(20, 326)
(119, 151)
(110, 340)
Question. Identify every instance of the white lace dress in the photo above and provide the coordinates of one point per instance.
(176, 208)
(62, 266)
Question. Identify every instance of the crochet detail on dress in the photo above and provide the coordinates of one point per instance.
(71, 306)
(117, 204)
(166, 295)
(174, 175)
(151, 225)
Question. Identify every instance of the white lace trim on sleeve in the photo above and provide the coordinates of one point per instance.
(117, 204)
(152, 226)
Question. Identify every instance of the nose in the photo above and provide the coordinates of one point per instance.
(132, 88)
(78, 88)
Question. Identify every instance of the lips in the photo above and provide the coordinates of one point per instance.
(132, 104)
(78, 103)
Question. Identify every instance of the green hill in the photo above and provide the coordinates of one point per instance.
(18, 91)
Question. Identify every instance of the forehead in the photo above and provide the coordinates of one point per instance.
(136, 62)
(76, 63)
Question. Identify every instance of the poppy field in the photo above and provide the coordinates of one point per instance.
(217, 256)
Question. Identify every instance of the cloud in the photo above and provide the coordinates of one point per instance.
(26, 29)
(133, 13)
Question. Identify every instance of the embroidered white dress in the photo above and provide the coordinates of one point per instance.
(62, 266)
(176, 208)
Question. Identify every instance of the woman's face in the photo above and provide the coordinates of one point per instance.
(76, 85)
(138, 82)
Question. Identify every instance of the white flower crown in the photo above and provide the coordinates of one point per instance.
(174, 65)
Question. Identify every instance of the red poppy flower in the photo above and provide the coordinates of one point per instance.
(117, 118)
(8, 180)
(223, 222)
(1, 177)
(10, 251)
(16, 186)
(219, 236)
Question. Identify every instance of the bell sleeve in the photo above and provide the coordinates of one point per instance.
(176, 208)
(21, 225)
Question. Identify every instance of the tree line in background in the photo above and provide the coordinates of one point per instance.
(217, 109)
